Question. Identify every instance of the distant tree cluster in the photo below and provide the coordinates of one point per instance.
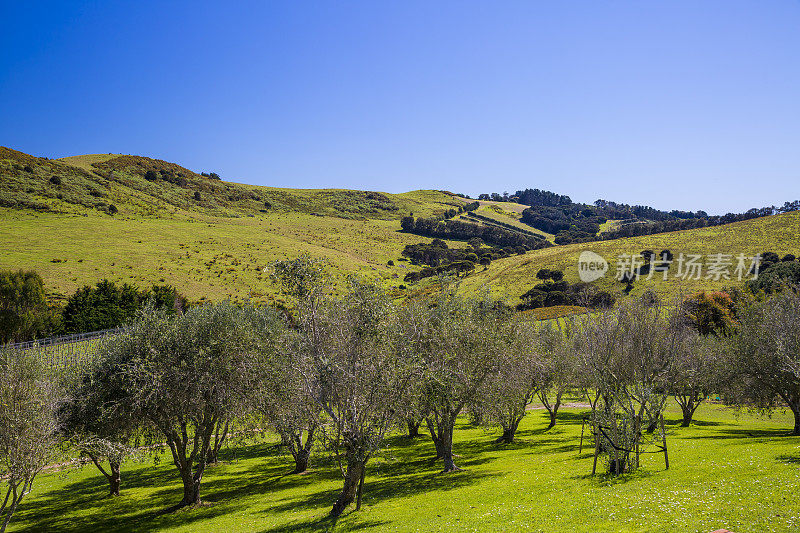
(456, 229)
(107, 305)
(24, 310)
(441, 259)
(554, 290)
(26, 313)
(574, 222)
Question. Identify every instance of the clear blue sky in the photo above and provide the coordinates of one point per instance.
(673, 104)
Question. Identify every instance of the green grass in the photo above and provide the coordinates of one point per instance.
(495, 213)
(214, 257)
(728, 470)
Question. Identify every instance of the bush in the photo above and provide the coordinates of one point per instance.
(24, 313)
(107, 306)
(112, 209)
(151, 175)
(55, 180)
(775, 276)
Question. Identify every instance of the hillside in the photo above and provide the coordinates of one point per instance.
(511, 277)
(55, 219)
(141, 186)
(213, 238)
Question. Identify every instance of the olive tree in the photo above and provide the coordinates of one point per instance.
(359, 376)
(452, 337)
(761, 365)
(29, 431)
(627, 355)
(93, 420)
(509, 389)
(557, 366)
(691, 373)
(185, 374)
(285, 403)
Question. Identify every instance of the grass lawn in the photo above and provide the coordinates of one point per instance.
(730, 470)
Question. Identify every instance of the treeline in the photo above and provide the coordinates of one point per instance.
(574, 222)
(677, 224)
(26, 313)
(492, 222)
(458, 230)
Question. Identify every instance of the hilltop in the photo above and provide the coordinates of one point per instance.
(134, 219)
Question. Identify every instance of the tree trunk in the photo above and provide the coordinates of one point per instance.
(302, 453)
(796, 410)
(220, 435)
(413, 427)
(191, 488)
(442, 434)
(552, 409)
(688, 414)
(352, 479)
(508, 433)
(115, 478)
(437, 442)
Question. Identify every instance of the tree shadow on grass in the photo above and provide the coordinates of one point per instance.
(743, 434)
(55, 509)
(325, 524)
(788, 459)
(605, 479)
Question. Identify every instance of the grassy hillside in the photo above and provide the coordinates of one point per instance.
(212, 238)
(513, 276)
(141, 186)
(213, 248)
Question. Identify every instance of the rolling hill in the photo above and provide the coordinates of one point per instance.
(133, 219)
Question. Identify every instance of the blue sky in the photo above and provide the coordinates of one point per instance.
(688, 105)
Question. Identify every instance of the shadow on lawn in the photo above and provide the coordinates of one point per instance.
(53, 510)
(788, 459)
(411, 469)
(325, 524)
(743, 434)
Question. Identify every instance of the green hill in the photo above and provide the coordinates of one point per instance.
(213, 238)
(55, 218)
(511, 277)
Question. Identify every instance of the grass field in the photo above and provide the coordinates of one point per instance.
(730, 470)
(214, 258)
(499, 214)
(223, 257)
